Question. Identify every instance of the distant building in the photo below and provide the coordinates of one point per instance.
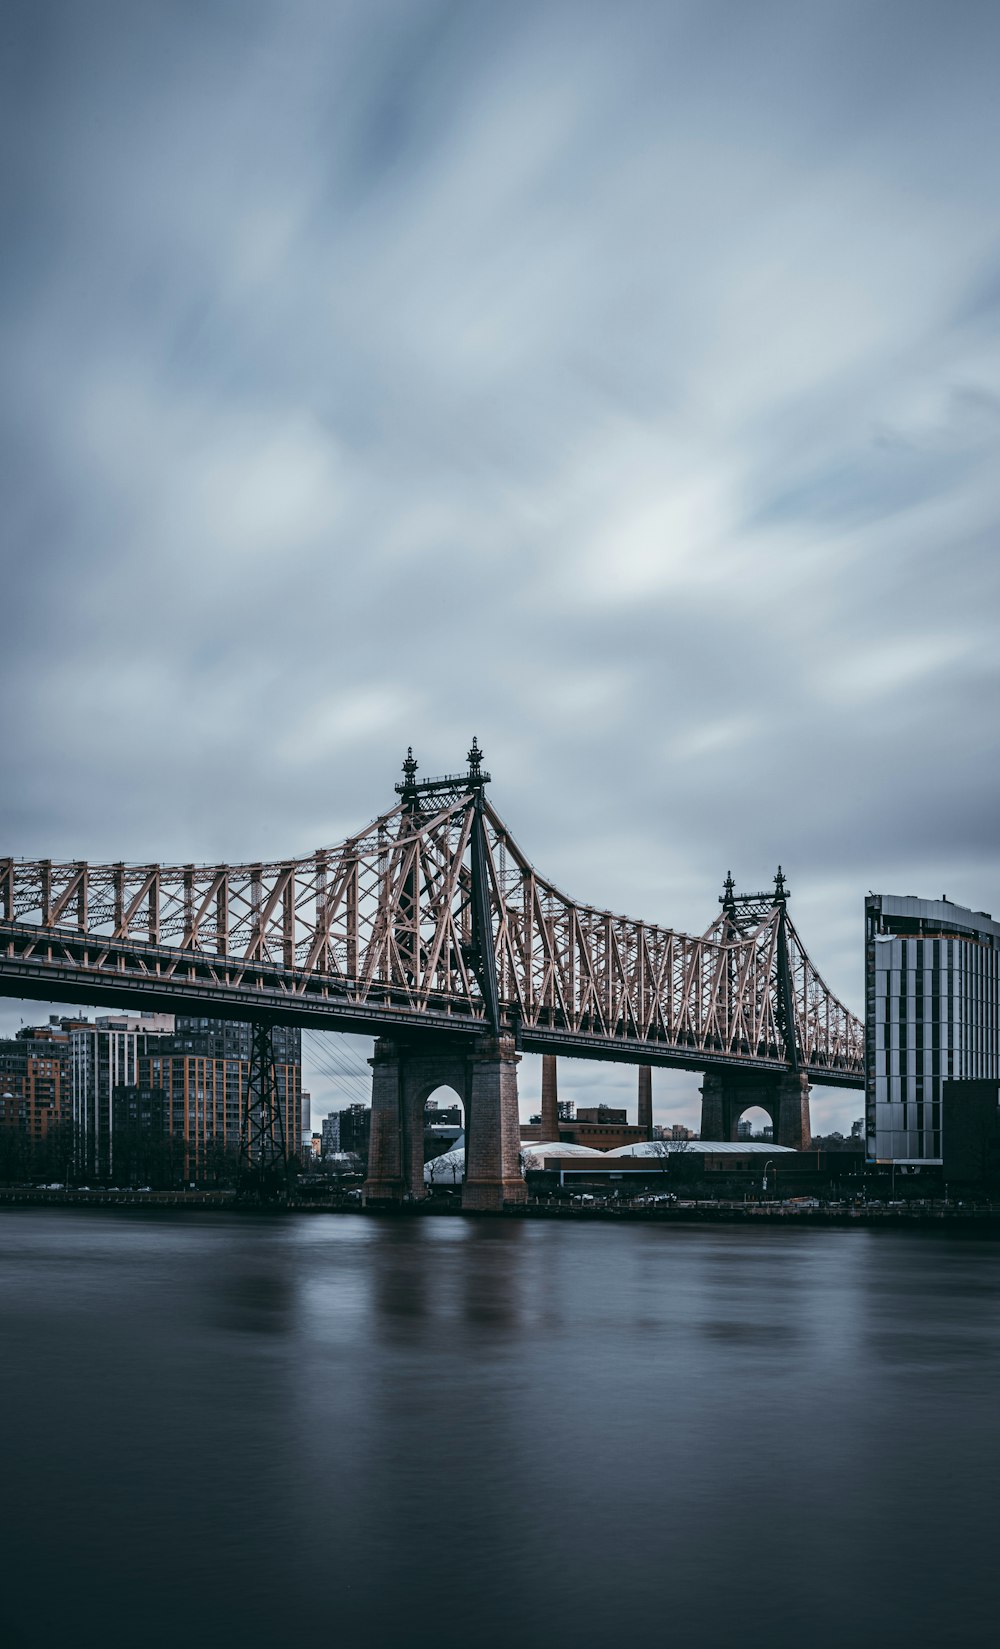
(745, 1130)
(442, 1116)
(600, 1135)
(330, 1135)
(932, 994)
(971, 1134)
(142, 1153)
(677, 1130)
(105, 1056)
(355, 1129)
(200, 1066)
(142, 1109)
(152, 1077)
(204, 1069)
(35, 1088)
(716, 1169)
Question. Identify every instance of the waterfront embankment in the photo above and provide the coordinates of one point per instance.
(983, 1218)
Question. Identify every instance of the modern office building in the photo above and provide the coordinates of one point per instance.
(932, 1000)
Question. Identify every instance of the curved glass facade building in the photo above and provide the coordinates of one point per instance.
(932, 988)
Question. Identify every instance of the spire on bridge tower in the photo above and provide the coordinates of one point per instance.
(475, 760)
(780, 890)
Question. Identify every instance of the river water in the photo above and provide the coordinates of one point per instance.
(345, 1430)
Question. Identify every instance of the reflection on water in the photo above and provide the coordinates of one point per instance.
(468, 1432)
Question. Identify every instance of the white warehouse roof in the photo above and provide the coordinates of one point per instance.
(554, 1148)
(450, 1166)
(704, 1147)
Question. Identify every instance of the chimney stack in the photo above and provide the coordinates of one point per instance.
(550, 1100)
(645, 1100)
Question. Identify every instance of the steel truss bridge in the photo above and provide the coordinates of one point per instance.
(430, 921)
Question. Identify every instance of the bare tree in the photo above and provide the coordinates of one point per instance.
(662, 1150)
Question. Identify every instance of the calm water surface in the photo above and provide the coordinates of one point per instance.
(339, 1430)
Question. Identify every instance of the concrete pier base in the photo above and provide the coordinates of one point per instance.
(725, 1095)
(484, 1076)
(493, 1176)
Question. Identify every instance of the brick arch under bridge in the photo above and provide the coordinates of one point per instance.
(784, 1096)
(484, 1076)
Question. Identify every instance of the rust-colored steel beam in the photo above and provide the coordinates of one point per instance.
(435, 918)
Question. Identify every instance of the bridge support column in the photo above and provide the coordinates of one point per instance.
(725, 1095)
(385, 1183)
(793, 1126)
(550, 1100)
(493, 1175)
(645, 1118)
(485, 1078)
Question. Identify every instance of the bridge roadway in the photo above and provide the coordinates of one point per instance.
(59, 965)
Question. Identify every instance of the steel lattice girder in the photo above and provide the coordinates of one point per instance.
(381, 931)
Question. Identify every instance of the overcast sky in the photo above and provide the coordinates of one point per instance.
(618, 381)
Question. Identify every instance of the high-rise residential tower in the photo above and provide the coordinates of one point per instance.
(105, 1056)
(204, 1071)
(200, 1066)
(35, 1101)
(932, 999)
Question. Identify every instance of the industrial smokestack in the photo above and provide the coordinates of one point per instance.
(550, 1099)
(646, 1100)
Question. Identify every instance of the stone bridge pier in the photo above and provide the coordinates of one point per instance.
(484, 1075)
(725, 1095)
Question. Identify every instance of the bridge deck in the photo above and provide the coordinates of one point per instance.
(59, 965)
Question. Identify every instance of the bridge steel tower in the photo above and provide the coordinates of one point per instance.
(784, 1095)
(483, 1072)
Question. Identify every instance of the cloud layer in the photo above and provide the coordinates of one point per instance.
(621, 383)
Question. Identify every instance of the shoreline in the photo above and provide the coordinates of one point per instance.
(984, 1220)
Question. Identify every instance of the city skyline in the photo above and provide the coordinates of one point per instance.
(501, 507)
(548, 373)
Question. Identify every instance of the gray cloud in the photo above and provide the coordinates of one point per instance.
(620, 383)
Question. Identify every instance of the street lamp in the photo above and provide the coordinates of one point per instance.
(768, 1164)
